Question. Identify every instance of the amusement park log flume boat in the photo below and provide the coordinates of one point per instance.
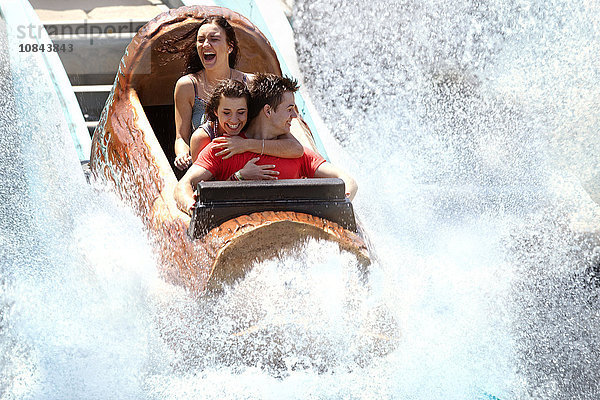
(235, 224)
(135, 134)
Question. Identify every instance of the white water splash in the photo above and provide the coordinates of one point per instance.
(76, 264)
(470, 126)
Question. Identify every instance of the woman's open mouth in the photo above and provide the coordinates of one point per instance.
(209, 56)
(233, 128)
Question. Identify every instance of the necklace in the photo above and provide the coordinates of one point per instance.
(208, 88)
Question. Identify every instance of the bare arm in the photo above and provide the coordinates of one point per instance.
(328, 170)
(184, 191)
(200, 139)
(184, 102)
(285, 146)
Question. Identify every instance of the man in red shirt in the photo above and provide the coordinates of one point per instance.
(274, 107)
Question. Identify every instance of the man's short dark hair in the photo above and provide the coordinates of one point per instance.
(269, 89)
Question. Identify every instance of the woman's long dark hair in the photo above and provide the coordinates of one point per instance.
(194, 64)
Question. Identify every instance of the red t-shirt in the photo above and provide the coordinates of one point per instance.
(289, 168)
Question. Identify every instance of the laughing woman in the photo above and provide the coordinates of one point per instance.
(215, 59)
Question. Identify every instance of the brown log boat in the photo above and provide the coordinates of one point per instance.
(236, 223)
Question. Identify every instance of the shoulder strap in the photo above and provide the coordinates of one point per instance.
(193, 79)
